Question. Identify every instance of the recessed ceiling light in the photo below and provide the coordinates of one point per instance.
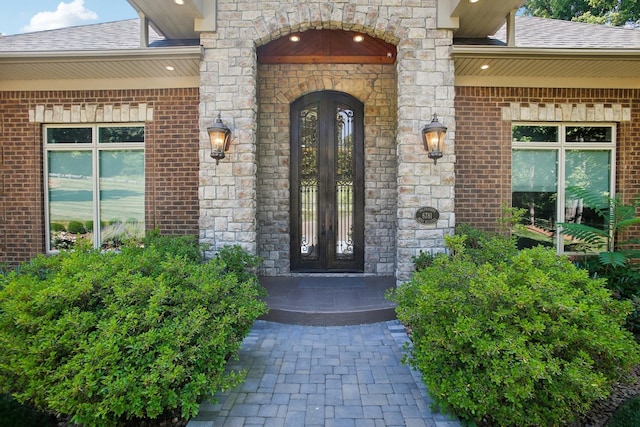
(484, 67)
(294, 38)
(358, 38)
(474, 1)
(169, 68)
(179, 2)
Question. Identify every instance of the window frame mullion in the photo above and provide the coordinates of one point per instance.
(562, 146)
(95, 148)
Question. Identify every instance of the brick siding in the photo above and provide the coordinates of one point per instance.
(171, 161)
(483, 141)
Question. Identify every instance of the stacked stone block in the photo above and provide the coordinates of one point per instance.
(423, 86)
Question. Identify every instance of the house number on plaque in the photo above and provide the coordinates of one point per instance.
(427, 215)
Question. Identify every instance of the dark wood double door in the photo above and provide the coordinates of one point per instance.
(327, 183)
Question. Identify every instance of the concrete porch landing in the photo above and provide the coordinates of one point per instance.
(328, 300)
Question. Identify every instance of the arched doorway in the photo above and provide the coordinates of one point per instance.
(327, 183)
(283, 80)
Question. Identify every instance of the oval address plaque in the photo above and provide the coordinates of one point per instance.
(427, 215)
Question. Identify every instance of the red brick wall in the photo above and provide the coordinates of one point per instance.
(483, 144)
(171, 163)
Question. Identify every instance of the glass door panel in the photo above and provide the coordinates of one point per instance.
(327, 180)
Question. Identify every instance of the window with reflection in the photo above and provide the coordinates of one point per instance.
(95, 185)
(546, 160)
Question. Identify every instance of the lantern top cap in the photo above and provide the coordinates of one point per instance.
(218, 125)
(435, 125)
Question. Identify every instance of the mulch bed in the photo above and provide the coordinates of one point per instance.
(604, 409)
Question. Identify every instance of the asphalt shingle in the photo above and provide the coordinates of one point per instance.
(533, 32)
(105, 36)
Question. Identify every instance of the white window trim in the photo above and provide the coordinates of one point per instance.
(94, 147)
(561, 147)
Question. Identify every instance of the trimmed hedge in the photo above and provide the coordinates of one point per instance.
(110, 337)
(526, 340)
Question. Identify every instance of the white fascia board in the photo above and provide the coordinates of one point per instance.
(100, 84)
(209, 12)
(548, 82)
(169, 52)
(527, 52)
(445, 18)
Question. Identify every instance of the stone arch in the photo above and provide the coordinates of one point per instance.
(329, 16)
(362, 92)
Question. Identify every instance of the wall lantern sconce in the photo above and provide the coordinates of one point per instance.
(433, 138)
(220, 138)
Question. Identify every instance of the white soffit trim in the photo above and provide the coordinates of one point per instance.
(99, 84)
(548, 82)
(445, 18)
(475, 20)
(178, 22)
(511, 52)
(162, 64)
(189, 51)
(537, 67)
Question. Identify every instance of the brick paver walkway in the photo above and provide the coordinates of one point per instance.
(349, 376)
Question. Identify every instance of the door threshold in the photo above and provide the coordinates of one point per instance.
(328, 274)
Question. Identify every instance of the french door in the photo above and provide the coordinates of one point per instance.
(327, 183)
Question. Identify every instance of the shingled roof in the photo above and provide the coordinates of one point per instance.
(106, 36)
(546, 52)
(551, 53)
(533, 32)
(530, 32)
(107, 55)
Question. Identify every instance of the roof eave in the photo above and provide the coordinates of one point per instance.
(459, 51)
(546, 67)
(87, 55)
(101, 69)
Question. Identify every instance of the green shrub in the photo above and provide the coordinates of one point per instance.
(529, 341)
(627, 415)
(482, 247)
(76, 227)
(473, 236)
(56, 227)
(422, 260)
(110, 337)
(238, 261)
(180, 246)
(624, 283)
(617, 217)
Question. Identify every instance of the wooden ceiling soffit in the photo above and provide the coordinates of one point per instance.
(327, 47)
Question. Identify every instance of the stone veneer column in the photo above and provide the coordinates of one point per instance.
(227, 191)
(425, 81)
(425, 86)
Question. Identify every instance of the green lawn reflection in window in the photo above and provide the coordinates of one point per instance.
(111, 197)
(71, 204)
(121, 196)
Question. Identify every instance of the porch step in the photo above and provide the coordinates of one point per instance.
(328, 300)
